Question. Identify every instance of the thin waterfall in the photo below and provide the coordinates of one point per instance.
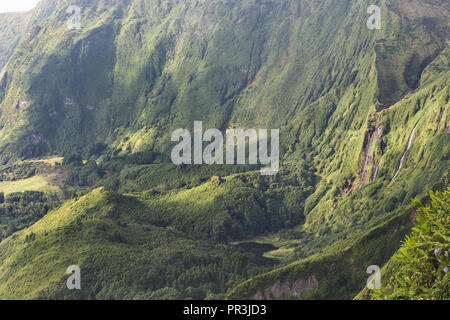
(440, 120)
(368, 156)
(400, 165)
(375, 174)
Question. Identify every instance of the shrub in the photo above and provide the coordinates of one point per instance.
(420, 267)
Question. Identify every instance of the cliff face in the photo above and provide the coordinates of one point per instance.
(13, 27)
(148, 67)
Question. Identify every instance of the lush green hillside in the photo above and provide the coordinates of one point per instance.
(351, 212)
(126, 250)
(364, 123)
(222, 62)
(13, 26)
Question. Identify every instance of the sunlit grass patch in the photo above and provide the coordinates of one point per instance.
(36, 183)
(279, 253)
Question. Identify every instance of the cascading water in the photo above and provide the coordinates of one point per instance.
(368, 156)
(375, 174)
(400, 165)
(440, 120)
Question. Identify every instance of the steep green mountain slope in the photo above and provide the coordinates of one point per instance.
(364, 119)
(13, 27)
(370, 220)
(232, 63)
(376, 186)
